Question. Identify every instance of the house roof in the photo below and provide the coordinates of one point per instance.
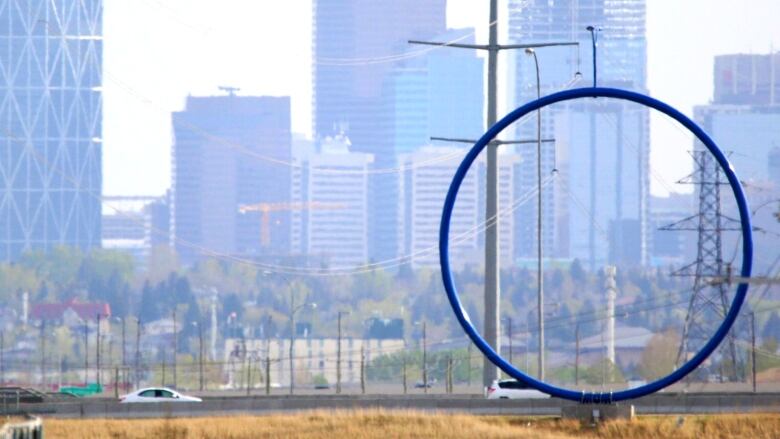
(626, 337)
(85, 310)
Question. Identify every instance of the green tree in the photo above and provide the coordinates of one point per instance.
(660, 355)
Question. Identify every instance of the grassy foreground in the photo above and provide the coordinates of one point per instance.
(382, 424)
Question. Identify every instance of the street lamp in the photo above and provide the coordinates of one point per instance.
(424, 356)
(124, 354)
(200, 353)
(338, 354)
(540, 273)
(293, 310)
(509, 334)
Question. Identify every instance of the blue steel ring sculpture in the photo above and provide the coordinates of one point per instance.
(487, 350)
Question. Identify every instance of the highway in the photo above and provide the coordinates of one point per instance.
(665, 403)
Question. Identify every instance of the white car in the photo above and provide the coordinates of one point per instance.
(157, 394)
(513, 389)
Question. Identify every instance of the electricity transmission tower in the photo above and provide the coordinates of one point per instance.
(709, 301)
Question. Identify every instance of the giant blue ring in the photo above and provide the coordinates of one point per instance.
(581, 396)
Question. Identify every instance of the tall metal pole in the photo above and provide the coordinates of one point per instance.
(491, 332)
(2, 358)
(175, 347)
(124, 350)
(292, 340)
(753, 347)
(492, 292)
(138, 352)
(425, 360)
(200, 355)
(43, 354)
(509, 334)
(97, 351)
(577, 355)
(539, 251)
(86, 353)
(338, 358)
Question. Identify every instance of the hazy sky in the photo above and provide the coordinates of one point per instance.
(159, 51)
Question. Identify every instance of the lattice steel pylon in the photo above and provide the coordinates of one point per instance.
(709, 301)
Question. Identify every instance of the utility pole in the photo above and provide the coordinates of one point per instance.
(424, 359)
(200, 355)
(404, 374)
(753, 347)
(175, 347)
(509, 333)
(468, 358)
(492, 294)
(86, 352)
(248, 366)
(2, 358)
(577, 355)
(363, 368)
(97, 351)
(43, 353)
(449, 374)
(338, 355)
(267, 374)
(124, 351)
(138, 352)
(292, 340)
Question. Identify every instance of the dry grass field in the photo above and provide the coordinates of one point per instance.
(408, 424)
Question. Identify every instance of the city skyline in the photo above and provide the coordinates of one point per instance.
(208, 52)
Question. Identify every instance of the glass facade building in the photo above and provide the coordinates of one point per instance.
(601, 148)
(51, 56)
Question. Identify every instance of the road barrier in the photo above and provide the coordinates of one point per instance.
(32, 428)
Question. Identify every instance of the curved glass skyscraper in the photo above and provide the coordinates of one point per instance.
(50, 124)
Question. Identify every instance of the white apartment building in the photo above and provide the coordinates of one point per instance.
(424, 184)
(332, 186)
(312, 357)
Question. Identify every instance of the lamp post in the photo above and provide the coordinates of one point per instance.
(124, 350)
(424, 356)
(138, 352)
(97, 351)
(291, 315)
(539, 252)
(200, 354)
(509, 335)
(293, 310)
(338, 354)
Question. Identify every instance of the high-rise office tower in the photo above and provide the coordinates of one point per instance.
(358, 45)
(601, 148)
(333, 181)
(51, 56)
(744, 116)
(424, 185)
(744, 120)
(231, 151)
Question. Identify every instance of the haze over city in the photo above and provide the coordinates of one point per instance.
(251, 207)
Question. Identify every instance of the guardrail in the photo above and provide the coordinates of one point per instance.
(32, 428)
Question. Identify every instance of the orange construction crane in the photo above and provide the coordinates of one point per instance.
(265, 210)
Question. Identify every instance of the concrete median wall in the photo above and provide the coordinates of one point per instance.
(656, 404)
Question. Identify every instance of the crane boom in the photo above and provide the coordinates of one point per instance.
(265, 210)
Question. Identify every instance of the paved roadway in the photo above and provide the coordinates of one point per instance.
(666, 403)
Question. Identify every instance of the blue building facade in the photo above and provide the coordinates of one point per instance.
(51, 56)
